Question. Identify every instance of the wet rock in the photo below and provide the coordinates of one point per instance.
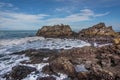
(46, 78)
(37, 56)
(95, 75)
(62, 65)
(19, 72)
(55, 31)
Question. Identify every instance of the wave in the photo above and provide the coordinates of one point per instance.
(8, 46)
(15, 45)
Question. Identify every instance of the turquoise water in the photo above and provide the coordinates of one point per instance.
(11, 34)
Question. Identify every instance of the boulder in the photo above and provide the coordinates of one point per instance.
(62, 65)
(19, 72)
(96, 75)
(55, 31)
(117, 40)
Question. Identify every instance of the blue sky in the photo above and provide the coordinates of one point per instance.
(79, 14)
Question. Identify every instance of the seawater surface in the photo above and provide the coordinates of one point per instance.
(15, 41)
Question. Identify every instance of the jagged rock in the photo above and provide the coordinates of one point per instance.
(98, 30)
(95, 74)
(37, 56)
(117, 40)
(98, 33)
(19, 72)
(62, 65)
(55, 31)
(46, 78)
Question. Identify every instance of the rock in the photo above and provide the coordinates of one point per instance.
(98, 30)
(62, 65)
(80, 55)
(98, 33)
(55, 31)
(117, 40)
(19, 72)
(46, 78)
(95, 75)
(37, 56)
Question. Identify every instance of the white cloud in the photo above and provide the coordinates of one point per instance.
(29, 21)
(5, 5)
(67, 10)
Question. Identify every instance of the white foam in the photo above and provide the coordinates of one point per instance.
(80, 68)
(7, 62)
(15, 45)
(7, 47)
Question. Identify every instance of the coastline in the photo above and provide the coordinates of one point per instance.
(71, 61)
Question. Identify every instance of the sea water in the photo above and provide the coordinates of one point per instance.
(16, 41)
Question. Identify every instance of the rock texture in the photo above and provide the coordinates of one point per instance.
(19, 72)
(98, 30)
(98, 33)
(101, 63)
(117, 40)
(55, 31)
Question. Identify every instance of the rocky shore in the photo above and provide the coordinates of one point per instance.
(86, 63)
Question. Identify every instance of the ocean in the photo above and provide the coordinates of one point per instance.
(12, 34)
(16, 41)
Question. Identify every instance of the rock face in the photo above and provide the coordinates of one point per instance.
(98, 30)
(55, 31)
(98, 33)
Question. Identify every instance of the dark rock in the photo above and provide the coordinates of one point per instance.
(62, 65)
(55, 31)
(37, 56)
(95, 74)
(19, 72)
(46, 78)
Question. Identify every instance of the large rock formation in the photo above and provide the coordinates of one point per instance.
(98, 33)
(98, 30)
(55, 31)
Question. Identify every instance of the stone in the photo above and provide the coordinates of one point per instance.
(19, 72)
(117, 40)
(55, 31)
(62, 65)
(46, 78)
(98, 33)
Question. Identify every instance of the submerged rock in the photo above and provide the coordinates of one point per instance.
(55, 31)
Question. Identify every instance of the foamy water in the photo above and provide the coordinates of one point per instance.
(8, 46)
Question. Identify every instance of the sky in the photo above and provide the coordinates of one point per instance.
(79, 14)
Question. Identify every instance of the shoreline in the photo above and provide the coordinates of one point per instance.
(66, 59)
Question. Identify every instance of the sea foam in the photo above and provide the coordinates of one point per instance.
(9, 46)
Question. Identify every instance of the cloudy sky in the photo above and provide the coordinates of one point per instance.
(79, 14)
